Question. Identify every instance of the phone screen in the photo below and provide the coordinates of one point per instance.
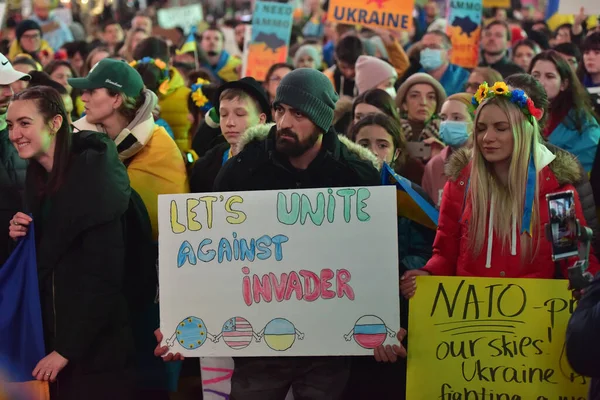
(563, 224)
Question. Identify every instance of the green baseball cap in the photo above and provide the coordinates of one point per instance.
(111, 74)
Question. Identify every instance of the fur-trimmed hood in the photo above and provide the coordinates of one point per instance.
(260, 133)
(564, 166)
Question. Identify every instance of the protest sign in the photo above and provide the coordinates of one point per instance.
(491, 338)
(464, 29)
(390, 14)
(592, 7)
(496, 4)
(185, 17)
(279, 273)
(269, 41)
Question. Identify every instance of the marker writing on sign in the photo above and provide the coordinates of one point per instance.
(304, 285)
(194, 211)
(261, 248)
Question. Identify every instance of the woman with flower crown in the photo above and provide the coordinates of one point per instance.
(494, 209)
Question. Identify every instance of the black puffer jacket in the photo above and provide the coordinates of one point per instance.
(260, 167)
(12, 183)
(81, 268)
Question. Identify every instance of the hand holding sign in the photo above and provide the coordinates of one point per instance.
(391, 353)
(408, 282)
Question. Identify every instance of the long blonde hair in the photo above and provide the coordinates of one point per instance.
(508, 200)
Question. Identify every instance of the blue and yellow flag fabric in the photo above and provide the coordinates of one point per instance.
(190, 44)
(21, 332)
(410, 203)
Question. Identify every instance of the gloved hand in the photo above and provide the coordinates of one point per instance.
(212, 118)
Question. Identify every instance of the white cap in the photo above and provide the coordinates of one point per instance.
(8, 74)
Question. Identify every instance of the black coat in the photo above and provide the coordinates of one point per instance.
(260, 167)
(206, 138)
(207, 168)
(582, 345)
(81, 266)
(12, 184)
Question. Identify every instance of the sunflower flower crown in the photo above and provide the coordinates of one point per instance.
(516, 96)
(164, 69)
(200, 99)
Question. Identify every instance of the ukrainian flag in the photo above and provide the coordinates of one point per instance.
(190, 44)
(554, 19)
(21, 332)
(410, 204)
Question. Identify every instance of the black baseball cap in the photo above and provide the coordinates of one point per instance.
(115, 75)
(253, 88)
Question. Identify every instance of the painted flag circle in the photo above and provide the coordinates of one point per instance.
(237, 333)
(191, 333)
(280, 334)
(369, 331)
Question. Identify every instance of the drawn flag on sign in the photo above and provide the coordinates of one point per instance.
(237, 333)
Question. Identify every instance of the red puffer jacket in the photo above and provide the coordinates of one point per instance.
(451, 255)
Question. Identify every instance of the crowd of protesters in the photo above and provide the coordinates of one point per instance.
(93, 130)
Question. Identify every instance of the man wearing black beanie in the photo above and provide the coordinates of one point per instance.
(301, 151)
(29, 40)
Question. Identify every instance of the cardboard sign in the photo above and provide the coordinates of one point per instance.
(279, 273)
(268, 42)
(389, 14)
(491, 338)
(464, 30)
(185, 16)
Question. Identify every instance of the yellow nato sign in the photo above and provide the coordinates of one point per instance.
(491, 338)
(390, 14)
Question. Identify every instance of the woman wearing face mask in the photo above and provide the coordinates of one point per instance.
(455, 129)
(373, 73)
(78, 192)
(419, 100)
(61, 71)
(383, 136)
(494, 210)
(572, 125)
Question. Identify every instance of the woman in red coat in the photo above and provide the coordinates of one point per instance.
(494, 207)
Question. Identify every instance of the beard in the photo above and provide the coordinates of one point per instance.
(294, 147)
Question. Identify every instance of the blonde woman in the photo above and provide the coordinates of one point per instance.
(494, 206)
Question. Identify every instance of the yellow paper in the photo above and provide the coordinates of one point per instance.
(484, 339)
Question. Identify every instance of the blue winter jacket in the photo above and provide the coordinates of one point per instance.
(582, 344)
(581, 143)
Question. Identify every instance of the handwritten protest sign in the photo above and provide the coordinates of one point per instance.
(464, 29)
(491, 339)
(308, 272)
(269, 41)
(185, 16)
(390, 14)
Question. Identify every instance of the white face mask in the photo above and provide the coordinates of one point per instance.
(391, 91)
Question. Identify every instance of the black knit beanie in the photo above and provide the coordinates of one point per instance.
(310, 92)
(27, 25)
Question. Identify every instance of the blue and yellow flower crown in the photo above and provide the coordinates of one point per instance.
(200, 99)
(164, 69)
(516, 96)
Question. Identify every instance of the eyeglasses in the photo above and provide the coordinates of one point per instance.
(33, 36)
(275, 79)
